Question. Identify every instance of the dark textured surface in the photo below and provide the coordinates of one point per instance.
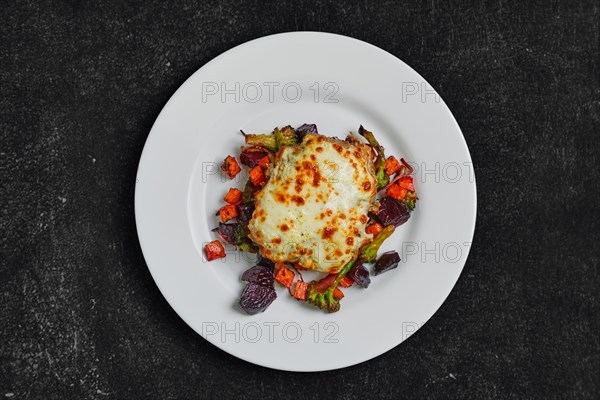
(82, 83)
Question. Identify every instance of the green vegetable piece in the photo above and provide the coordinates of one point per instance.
(382, 178)
(368, 253)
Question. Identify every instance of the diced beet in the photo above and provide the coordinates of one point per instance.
(305, 129)
(360, 274)
(245, 212)
(256, 298)
(392, 212)
(231, 233)
(259, 274)
(388, 260)
(250, 156)
(265, 262)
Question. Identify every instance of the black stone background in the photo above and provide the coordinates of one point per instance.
(82, 83)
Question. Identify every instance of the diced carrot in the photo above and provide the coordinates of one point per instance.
(234, 196)
(214, 250)
(228, 212)
(285, 276)
(396, 192)
(338, 294)
(374, 228)
(406, 182)
(264, 162)
(300, 290)
(257, 176)
(346, 281)
(230, 167)
(392, 165)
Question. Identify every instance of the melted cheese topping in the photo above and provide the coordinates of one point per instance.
(313, 210)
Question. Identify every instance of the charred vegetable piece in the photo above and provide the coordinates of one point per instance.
(232, 233)
(256, 298)
(251, 156)
(321, 293)
(374, 228)
(392, 165)
(245, 212)
(285, 276)
(396, 192)
(410, 200)
(265, 262)
(382, 178)
(368, 253)
(285, 137)
(305, 129)
(388, 260)
(214, 250)
(230, 167)
(346, 281)
(392, 212)
(257, 176)
(250, 192)
(233, 196)
(338, 294)
(360, 275)
(300, 290)
(266, 141)
(259, 274)
(407, 182)
(227, 212)
(264, 162)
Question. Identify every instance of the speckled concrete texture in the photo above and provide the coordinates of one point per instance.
(82, 83)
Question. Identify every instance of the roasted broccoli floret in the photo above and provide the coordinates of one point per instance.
(321, 293)
(273, 141)
(368, 253)
(382, 178)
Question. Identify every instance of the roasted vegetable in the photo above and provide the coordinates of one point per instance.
(382, 178)
(321, 293)
(360, 275)
(232, 233)
(300, 290)
(374, 228)
(256, 298)
(250, 192)
(259, 274)
(230, 167)
(392, 212)
(251, 156)
(257, 176)
(391, 166)
(388, 260)
(228, 212)
(233, 196)
(245, 212)
(305, 129)
(265, 262)
(214, 250)
(368, 253)
(284, 276)
(275, 141)
(346, 281)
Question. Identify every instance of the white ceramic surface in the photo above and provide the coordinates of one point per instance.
(338, 83)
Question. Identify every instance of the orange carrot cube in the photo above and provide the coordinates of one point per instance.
(346, 281)
(257, 176)
(338, 294)
(300, 290)
(230, 167)
(374, 228)
(214, 250)
(396, 192)
(391, 166)
(406, 182)
(285, 276)
(264, 162)
(234, 196)
(228, 212)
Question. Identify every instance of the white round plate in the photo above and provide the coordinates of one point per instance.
(338, 83)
